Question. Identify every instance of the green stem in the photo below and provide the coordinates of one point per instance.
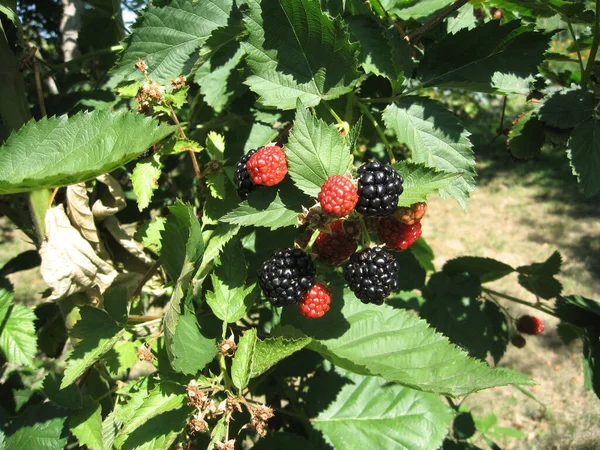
(518, 300)
(333, 113)
(594, 49)
(313, 238)
(226, 378)
(365, 110)
(365, 238)
(576, 44)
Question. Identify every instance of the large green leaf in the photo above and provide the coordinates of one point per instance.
(59, 151)
(567, 109)
(231, 298)
(190, 348)
(167, 38)
(397, 346)
(40, 427)
(98, 333)
(420, 181)
(437, 139)
(584, 153)
(505, 56)
(297, 52)
(315, 151)
(216, 239)
(86, 425)
(369, 412)
(17, 330)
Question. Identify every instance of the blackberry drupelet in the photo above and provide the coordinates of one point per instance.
(372, 274)
(287, 276)
(379, 186)
(241, 178)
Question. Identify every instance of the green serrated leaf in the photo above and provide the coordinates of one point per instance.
(150, 233)
(464, 19)
(419, 10)
(270, 351)
(192, 351)
(185, 145)
(584, 155)
(86, 425)
(369, 412)
(526, 137)
(486, 269)
(297, 53)
(178, 98)
(59, 151)
(420, 181)
(145, 180)
(215, 145)
(231, 299)
(40, 426)
(398, 346)
(216, 185)
(216, 241)
(129, 90)
(121, 358)
(98, 333)
(273, 208)
(503, 49)
(165, 396)
(17, 330)
(437, 139)
(243, 359)
(567, 108)
(160, 432)
(167, 39)
(315, 151)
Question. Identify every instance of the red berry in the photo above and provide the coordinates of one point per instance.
(315, 303)
(338, 196)
(335, 247)
(397, 235)
(412, 214)
(267, 166)
(530, 325)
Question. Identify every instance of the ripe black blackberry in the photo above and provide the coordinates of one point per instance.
(241, 178)
(379, 186)
(372, 274)
(286, 276)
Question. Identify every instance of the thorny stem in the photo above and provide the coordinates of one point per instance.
(183, 136)
(435, 20)
(576, 44)
(365, 110)
(594, 48)
(519, 301)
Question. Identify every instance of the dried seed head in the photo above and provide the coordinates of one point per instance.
(153, 90)
(178, 82)
(197, 396)
(141, 66)
(315, 217)
(262, 412)
(232, 404)
(145, 354)
(229, 445)
(228, 347)
(198, 424)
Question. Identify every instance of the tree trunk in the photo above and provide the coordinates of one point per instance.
(70, 26)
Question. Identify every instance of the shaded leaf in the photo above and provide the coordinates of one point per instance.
(69, 397)
(584, 155)
(538, 278)
(567, 108)
(39, 426)
(297, 52)
(418, 10)
(270, 351)
(526, 137)
(160, 432)
(217, 239)
(59, 151)
(86, 425)
(486, 269)
(192, 351)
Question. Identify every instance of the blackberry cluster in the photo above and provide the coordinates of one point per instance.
(379, 187)
(287, 276)
(372, 274)
(241, 178)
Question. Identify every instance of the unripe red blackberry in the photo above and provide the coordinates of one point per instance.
(372, 274)
(397, 235)
(315, 303)
(338, 196)
(268, 166)
(335, 247)
(379, 187)
(286, 276)
(530, 325)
